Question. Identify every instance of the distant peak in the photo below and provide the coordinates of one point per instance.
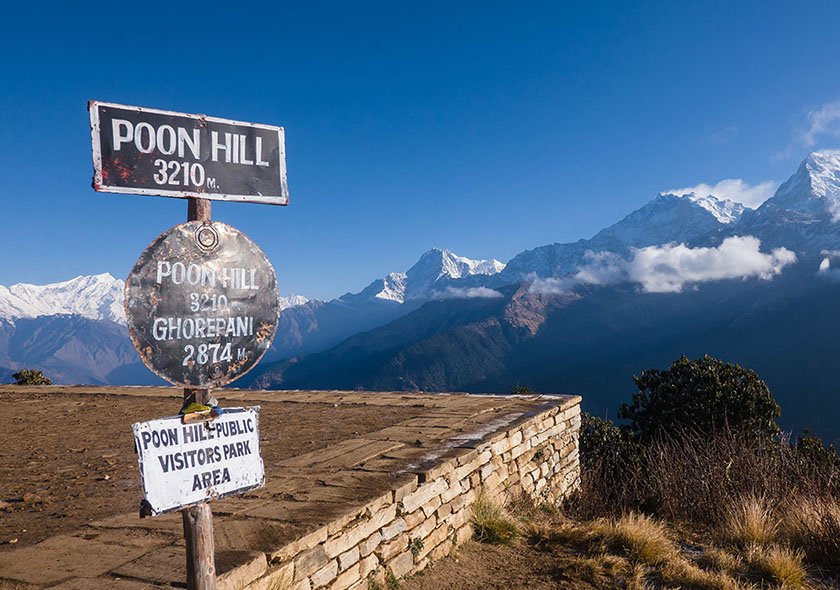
(97, 296)
(823, 170)
(726, 211)
(814, 189)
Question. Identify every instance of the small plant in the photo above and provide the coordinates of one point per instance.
(391, 580)
(374, 584)
(30, 377)
(492, 523)
(415, 545)
(549, 509)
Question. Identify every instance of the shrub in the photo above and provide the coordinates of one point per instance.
(611, 469)
(705, 395)
(30, 377)
(601, 441)
(522, 390)
(818, 456)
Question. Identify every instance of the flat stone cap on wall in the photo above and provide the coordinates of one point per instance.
(313, 500)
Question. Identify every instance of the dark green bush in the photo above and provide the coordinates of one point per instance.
(522, 390)
(30, 377)
(706, 396)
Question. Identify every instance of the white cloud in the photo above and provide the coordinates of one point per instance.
(467, 293)
(822, 121)
(825, 270)
(600, 268)
(669, 268)
(732, 188)
(551, 286)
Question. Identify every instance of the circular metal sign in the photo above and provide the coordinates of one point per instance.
(202, 304)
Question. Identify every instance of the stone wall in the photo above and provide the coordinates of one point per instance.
(429, 513)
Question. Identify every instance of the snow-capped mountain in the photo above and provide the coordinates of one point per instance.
(668, 218)
(813, 191)
(725, 210)
(317, 325)
(422, 280)
(673, 232)
(804, 214)
(96, 297)
(756, 298)
(291, 301)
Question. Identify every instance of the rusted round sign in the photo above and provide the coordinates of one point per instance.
(202, 304)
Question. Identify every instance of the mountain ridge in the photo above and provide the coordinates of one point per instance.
(580, 316)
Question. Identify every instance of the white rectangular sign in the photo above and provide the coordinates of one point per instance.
(183, 464)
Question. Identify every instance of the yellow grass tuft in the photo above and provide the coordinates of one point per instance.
(683, 573)
(750, 521)
(778, 565)
(641, 538)
(492, 523)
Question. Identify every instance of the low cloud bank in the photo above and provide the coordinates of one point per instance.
(669, 268)
(467, 293)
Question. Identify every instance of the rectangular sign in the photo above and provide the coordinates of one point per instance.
(184, 464)
(153, 152)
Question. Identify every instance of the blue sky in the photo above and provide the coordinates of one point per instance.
(484, 127)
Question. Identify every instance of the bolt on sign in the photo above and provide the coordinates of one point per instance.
(184, 464)
(202, 304)
(154, 152)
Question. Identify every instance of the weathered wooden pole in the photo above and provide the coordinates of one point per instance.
(198, 520)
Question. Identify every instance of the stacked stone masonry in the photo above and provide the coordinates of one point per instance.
(426, 517)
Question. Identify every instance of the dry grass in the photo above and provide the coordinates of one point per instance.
(634, 536)
(813, 525)
(749, 521)
(637, 551)
(492, 523)
(721, 560)
(637, 536)
(778, 565)
(692, 478)
(684, 573)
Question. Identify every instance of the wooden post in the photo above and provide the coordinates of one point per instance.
(198, 520)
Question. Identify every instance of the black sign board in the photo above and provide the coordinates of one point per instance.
(202, 304)
(153, 152)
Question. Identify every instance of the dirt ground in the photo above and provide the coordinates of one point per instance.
(67, 459)
(477, 566)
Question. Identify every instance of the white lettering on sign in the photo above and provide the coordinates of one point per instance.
(165, 138)
(193, 274)
(232, 148)
(183, 464)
